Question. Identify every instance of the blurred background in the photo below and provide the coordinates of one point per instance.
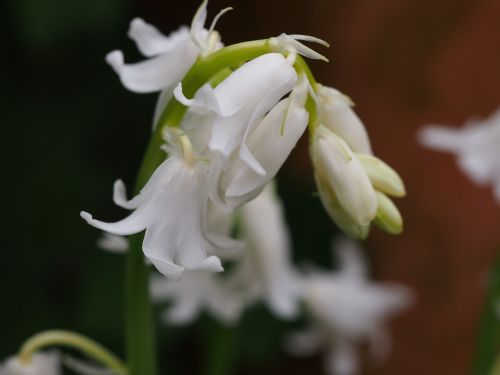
(70, 130)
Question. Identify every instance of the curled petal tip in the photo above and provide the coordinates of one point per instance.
(181, 98)
(86, 216)
(116, 60)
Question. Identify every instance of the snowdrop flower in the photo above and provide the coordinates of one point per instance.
(172, 209)
(41, 363)
(198, 290)
(476, 148)
(353, 187)
(265, 272)
(347, 309)
(169, 57)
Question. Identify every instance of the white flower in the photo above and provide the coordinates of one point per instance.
(41, 363)
(265, 272)
(169, 57)
(270, 142)
(172, 209)
(346, 309)
(196, 291)
(476, 146)
(245, 133)
(353, 187)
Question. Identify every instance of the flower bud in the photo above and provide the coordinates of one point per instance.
(343, 178)
(388, 217)
(335, 113)
(382, 176)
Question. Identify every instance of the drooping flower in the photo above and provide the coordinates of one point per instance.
(346, 309)
(172, 209)
(475, 146)
(169, 57)
(353, 187)
(41, 363)
(269, 143)
(266, 272)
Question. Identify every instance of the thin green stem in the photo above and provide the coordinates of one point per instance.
(72, 340)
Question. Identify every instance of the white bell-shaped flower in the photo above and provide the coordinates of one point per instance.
(475, 146)
(345, 310)
(266, 271)
(172, 208)
(268, 143)
(241, 100)
(41, 363)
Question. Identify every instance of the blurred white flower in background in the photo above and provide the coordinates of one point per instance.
(41, 363)
(266, 271)
(476, 146)
(346, 309)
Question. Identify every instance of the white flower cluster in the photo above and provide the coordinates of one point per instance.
(218, 179)
(346, 309)
(475, 146)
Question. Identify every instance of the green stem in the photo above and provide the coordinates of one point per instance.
(73, 340)
(487, 358)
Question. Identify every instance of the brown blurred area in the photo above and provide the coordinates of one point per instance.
(405, 63)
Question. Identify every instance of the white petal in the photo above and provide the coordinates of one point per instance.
(151, 42)
(295, 110)
(136, 222)
(441, 138)
(271, 143)
(120, 197)
(198, 23)
(336, 114)
(269, 73)
(204, 98)
(167, 267)
(154, 74)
